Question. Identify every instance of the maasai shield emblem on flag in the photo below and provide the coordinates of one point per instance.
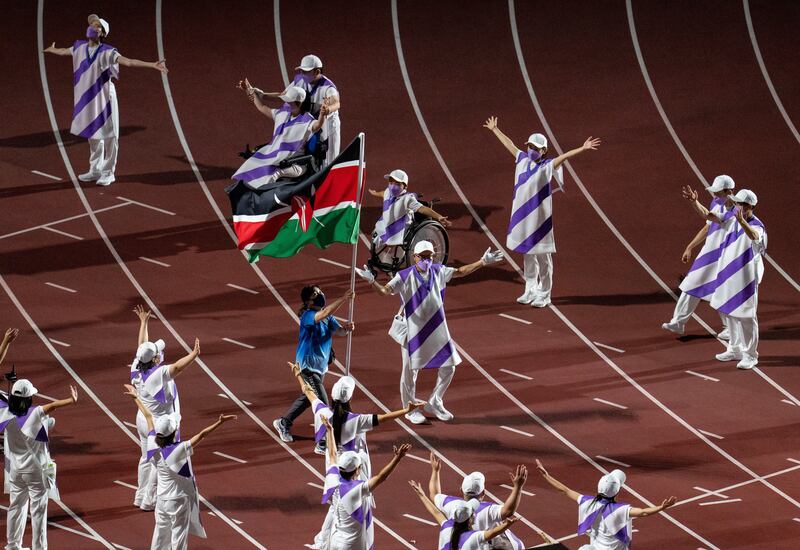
(282, 218)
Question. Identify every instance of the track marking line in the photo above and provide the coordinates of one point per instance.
(742, 484)
(130, 425)
(59, 342)
(120, 547)
(128, 485)
(516, 431)
(617, 405)
(796, 519)
(612, 461)
(317, 485)
(612, 348)
(238, 343)
(709, 492)
(152, 261)
(418, 458)
(336, 374)
(229, 457)
(713, 502)
(703, 376)
(524, 492)
(512, 373)
(517, 319)
(236, 521)
(64, 233)
(65, 289)
(425, 521)
(709, 434)
(243, 401)
(47, 397)
(243, 289)
(789, 402)
(337, 264)
(46, 175)
(143, 205)
(793, 460)
(62, 220)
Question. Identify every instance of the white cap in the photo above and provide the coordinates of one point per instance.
(165, 424)
(348, 461)
(720, 183)
(292, 94)
(103, 23)
(309, 62)
(587, 547)
(746, 196)
(464, 510)
(343, 389)
(423, 246)
(397, 175)
(473, 484)
(148, 351)
(610, 484)
(23, 388)
(537, 140)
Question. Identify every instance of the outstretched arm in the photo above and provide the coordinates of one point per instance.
(590, 144)
(305, 388)
(498, 529)
(557, 485)
(57, 51)
(144, 317)
(488, 257)
(518, 479)
(435, 483)
(205, 431)
(383, 475)
(491, 124)
(642, 512)
(431, 213)
(691, 195)
(399, 412)
(331, 308)
(160, 65)
(429, 505)
(148, 416)
(177, 367)
(62, 402)
(10, 335)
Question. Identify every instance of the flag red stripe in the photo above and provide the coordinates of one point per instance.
(259, 232)
(340, 186)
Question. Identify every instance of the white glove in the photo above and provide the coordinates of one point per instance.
(490, 257)
(366, 274)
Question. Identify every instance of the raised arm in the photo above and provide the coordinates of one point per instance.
(160, 65)
(331, 308)
(499, 529)
(488, 257)
(144, 317)
(491, 124)
(557, 485)
(148, 416)
(205, 431)
(258, 97)
(428, 503)
(431, 213)
(323, 114)
(378, 194)
(435, 483)
(10, 335)
(50, 407)
(642, 512)
(330, 440)
(400, 412)
(57, 51)
(752, 233)
(383, 475)
(700, 237)
(518, 479)
(177, 367)
(590, 144)
(691, 195)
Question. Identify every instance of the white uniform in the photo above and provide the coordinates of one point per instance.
(607, 523)
(95, 114)
(428, 344)
(352, 513)
(530, 229)
(487, 516)
(397, 215)
(469, 540)
(319, 91)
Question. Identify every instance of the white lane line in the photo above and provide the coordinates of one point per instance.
(709, 434)
(793, 460)
(143, 205)
(612, 461)
(47, 397)
(152, 261)
(130, 424)
(741, 484)
(789, 402)
(232, 519)
(517, 319)
(425, 521)
(229, 457)
(334, 373)
(703, 376)
(713, 502)
(317, 485)
(62, 220)
(238, 343)
(617, 405)
(243, 401)
(243, 289)
(120, 547)
(59, 526)
(59, 342)
(337, 264)
(516, 431)
(796, 519)
(46, 175)
(512, 373)
(418, 458)
(128, 485)
(65, 289)
(709, 492)
(64, 233)
(612, 348)
(523, 491)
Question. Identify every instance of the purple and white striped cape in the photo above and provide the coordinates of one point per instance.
(701, 279)
(319, 90)
(469, 540)
(613, 517)
(351, 500)
(353, 436)
(487, 516)
(32, 424)
(91, 82)
(740, 271)
(530, 229)
(396, 216)
(428, 344)
(288, 138)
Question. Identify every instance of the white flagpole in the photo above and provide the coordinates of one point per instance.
(355, 251)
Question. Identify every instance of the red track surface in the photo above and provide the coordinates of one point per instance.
(463, 66)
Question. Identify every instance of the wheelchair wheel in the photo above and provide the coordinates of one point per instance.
(428, 230)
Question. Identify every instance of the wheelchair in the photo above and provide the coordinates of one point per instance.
(391, 259)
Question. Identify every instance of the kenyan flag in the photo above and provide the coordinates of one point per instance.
(320, 210)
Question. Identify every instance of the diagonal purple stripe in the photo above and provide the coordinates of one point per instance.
(430, 326)
(396, 227)
(290, 146)
(528, 244)
(97, 123)
(417, 298)
(735, 265)
(256, 173)
(86, 63)
(441, 356)
(524, 176)
(91, 92)
(709, 257)
(739, 298)
(532, 204)
(449, 499)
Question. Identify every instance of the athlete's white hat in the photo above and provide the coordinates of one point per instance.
(348, 461)
(397, 175)
(292, 94)
(423, 246)
(473, 484)
(103, 23)
(23, 388)
(166, 424)
(309, 63)
(610, 484)
(746, 196)
(720, 183)
(148, 350)
(537, 140)
(464, 510)
(343, 389)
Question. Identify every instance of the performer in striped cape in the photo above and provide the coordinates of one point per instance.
(95, 115)
(700, 281)
(530, 230)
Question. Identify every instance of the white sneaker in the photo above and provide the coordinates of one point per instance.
(729, 356)
(725, 334)
(541, 301)
(89, 176)
(747, 362)
(416, 417)
(526, 298)
(106, 179)
(673, 327)
(439, 412)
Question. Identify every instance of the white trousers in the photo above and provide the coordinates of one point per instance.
(538, 272)
(148, 478)
(744, 335)
(685, 307)
(103, 152)
(172, 524)
(408, 383)
(25, 489)
(323, 538)
(333, 135)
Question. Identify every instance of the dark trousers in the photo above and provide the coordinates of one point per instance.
(300, 404)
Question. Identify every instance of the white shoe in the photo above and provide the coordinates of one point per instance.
(106, 179)
(673, 327)
(416, 417)
(747, 362)
(439, 412)
(729, 356)
(541, 301)
(725, 334)
(527, 297)
(89, 176)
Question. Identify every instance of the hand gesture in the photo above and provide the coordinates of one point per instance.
(327, 423)
(444, 221)
(161, 66)
(591, 144)
(11, 334)
(668, 502)
(130, 391)
(545, 537)
(50, 48)
(491, 123)
(366, 274)
(417, 488)
(412, 406)
(349, 294)
(738, 212)
(225, 417)
(541, 468)
(436, 464)
(401, 451)
(508, 522)
(375, 193)
(295, 368)
(196, 349)
(519, 476)
(688, 193)
(490, 257)
(349, 326)
(142, 313)
(325, 110)
(687, 255)
(73, 393)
